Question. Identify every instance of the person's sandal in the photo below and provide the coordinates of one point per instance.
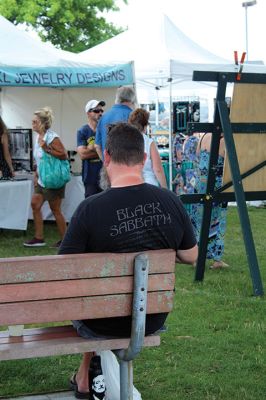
(219, 265)
(74, 386)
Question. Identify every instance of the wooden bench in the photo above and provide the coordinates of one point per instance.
(59, 288)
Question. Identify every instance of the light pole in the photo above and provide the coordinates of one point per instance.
(247, 4)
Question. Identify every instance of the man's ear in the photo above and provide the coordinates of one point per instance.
(107, 158)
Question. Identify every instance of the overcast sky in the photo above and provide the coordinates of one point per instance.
(217, 25)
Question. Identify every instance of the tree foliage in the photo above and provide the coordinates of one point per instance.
(73, 25)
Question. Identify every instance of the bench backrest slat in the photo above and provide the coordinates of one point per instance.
(78, 266)
(81, 286)
(80, 308)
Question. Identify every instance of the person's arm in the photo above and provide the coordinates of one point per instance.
(187, 252)
(55, 148)
(87, 152)
(7, 153)
(157, 165)
(98, 149)
(98, 139)
(188, 256)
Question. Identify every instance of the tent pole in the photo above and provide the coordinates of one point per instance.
(170, 136)
(157, 108)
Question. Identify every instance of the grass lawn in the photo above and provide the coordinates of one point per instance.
(215, 346)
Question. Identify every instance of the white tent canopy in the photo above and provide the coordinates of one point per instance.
(164, 59)
(162, 53)
(34, 74)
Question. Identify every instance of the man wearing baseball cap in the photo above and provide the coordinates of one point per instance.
(91, 164)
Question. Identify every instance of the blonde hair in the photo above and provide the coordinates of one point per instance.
(46, 117)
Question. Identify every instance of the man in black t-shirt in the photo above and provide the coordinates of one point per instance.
(129, 216)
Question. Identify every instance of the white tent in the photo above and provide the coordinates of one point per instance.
(160, 52)
(34, 74)
(164, 59)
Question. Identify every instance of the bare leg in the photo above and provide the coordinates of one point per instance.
(55, 206)
(82, 376)
(36, 205)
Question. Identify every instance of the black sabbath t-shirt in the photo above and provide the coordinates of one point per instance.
(128, 219)
(134, 218)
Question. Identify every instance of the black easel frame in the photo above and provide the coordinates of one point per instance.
(222, 124)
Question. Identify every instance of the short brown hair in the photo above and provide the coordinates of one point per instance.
(139, 118)
(125, 144)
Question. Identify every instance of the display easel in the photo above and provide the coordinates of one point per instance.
(233, 189)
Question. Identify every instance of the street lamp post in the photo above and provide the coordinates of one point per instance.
(247, 4)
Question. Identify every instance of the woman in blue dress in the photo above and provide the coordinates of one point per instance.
(178, 182)
(190, 172)
(215, 248)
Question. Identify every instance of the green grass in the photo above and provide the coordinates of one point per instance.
(214, 348)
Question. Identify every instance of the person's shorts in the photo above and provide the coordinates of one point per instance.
(50, 194)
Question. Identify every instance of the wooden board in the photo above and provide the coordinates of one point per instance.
(59, 288)
(43, 342)
(80, 266)
(248, 105)
(60, 310)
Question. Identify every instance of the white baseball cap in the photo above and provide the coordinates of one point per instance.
(94, 103)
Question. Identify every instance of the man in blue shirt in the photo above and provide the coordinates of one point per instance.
(124, 104)
(91, 164)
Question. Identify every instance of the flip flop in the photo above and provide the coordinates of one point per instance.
(220, 266)
(74, 386)
(73, 383)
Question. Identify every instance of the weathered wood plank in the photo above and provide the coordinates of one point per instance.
(78, 266)
(37, 334)
(59, 310)
(70, 345)
(79, 288)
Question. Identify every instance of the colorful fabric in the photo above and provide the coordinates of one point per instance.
(219, 210)
(187, 175)
(178, 149)
(38, 151)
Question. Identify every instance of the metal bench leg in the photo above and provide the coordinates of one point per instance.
(126, 380)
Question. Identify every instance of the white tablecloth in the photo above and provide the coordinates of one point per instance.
(73, 196)
(15, 198)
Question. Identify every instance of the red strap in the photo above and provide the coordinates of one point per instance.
(238, 77)
(236, 57)
(243, 57)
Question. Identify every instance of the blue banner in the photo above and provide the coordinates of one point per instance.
(98, 76)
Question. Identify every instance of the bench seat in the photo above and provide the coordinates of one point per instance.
(55, 289)
(60, 340)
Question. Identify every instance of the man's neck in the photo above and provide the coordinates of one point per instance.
(127, 180)
(121, 176)
(128, 104)
(92, 124)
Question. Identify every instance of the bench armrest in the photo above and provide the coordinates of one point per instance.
(139, 306)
